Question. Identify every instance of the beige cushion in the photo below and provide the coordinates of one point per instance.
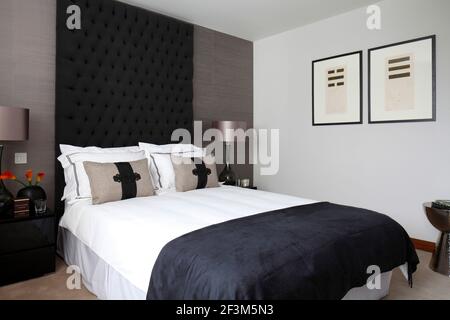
(118, 181)
(189, 176)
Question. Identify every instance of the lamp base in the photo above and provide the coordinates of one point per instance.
(227, 176)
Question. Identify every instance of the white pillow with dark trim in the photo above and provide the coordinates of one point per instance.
(161, 171)
(170, 148)
(160, 163)
(77, 181)
(67, 148)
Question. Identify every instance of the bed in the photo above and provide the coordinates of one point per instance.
(117, 244)
(109, 95)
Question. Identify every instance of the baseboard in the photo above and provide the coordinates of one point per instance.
(424, 245)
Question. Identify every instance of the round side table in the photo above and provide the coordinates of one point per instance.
(440, 219)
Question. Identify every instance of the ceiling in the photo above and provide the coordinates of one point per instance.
(250, 19)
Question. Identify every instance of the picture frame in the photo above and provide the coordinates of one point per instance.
(402, 82)
(337, 90)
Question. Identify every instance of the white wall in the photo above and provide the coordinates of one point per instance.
(390, 168)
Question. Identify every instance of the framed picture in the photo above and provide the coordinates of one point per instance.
(337, 90)
(402, 82)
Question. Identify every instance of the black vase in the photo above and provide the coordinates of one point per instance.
(33, 193)
(6, 200)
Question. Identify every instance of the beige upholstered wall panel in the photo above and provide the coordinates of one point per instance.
(223, 81)
(27, 76)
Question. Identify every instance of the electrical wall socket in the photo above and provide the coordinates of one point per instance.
(20, 158)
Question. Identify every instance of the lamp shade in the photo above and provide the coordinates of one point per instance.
(228, 127)
(14, 124)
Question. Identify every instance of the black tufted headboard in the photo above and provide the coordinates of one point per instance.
(125, 77)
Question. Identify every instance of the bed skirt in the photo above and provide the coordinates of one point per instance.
(97, 276)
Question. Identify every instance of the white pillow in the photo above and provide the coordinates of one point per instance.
(162, 172)
(77, 181)
(69, 149)
(170, 148)
(160, 163)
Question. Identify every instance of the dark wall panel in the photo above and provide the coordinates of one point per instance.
(125, 77)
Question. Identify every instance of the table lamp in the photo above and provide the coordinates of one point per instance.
(13, 127)
(227, 176)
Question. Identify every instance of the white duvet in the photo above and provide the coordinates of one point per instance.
(129, 234)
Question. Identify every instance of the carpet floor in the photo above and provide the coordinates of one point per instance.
(428, 285)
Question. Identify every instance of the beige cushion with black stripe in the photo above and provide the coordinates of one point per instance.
(119, 181)
(190, 175)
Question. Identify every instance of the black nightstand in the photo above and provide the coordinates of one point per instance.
(27, 247)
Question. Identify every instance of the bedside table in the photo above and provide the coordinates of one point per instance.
(440, 219)
(27, 247)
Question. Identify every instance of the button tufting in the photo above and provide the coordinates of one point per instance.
(121, 78)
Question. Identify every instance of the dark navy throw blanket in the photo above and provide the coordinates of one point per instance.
(316, 251)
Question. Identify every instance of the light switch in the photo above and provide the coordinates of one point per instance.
(20, 158)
